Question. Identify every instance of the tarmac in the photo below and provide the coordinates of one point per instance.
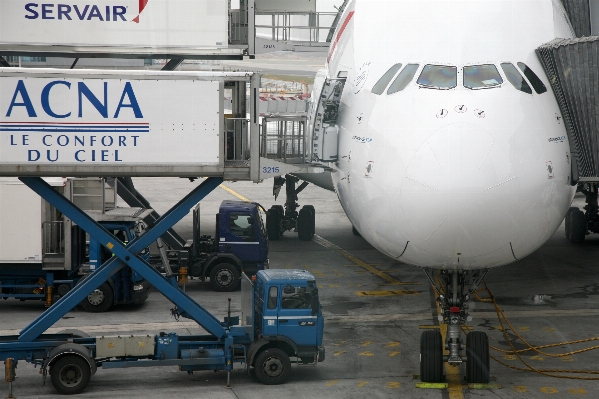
(375, 310)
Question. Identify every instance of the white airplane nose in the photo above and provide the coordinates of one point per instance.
(456, 195)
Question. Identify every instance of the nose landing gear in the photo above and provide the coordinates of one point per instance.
(454, 298)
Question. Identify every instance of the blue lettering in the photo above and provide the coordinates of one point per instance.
(92, 140)
(110, 142)
(80, 140)
(50, 158)
(81, 16)
(44, 140)
(93, 155)
(128, 90)
(26, 100)
(107, 13)
(32, 153)
(95, 13)
(118, 11)
(135, 140)
(12, 141)
(64, 9)
(65, 141)
(77, 156)
(30, 7)
(85, 91)
(25, 139)
(116, 156)
(47, 10)
(104, 155)
(122, 141)
(46, 98)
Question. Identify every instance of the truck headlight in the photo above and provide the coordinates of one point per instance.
(138, 287)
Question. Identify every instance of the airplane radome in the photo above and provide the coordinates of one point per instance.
(452, 155)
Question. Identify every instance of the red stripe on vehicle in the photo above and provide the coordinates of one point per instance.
(334, 45)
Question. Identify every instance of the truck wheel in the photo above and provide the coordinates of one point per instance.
(273, 223)
(99, 300)
(304, 224)
(70, 374)
(224, 277)
(272, 367)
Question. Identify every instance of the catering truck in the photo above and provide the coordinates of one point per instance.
(43, 254)
(281, 319)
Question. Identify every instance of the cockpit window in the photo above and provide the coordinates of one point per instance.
(403, 79)
(439, 77)
(481, 76)
(383, 82)
(532, 77)
(514, 77)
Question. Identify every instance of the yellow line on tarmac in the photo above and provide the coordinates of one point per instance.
(327, 244)
(235, 194)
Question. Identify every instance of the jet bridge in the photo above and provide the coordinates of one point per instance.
(572, 66)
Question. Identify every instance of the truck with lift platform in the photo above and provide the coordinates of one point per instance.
(44, 254)
(281, 317)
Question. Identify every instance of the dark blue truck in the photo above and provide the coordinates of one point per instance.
(239, 245)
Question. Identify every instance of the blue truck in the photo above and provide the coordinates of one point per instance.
(239, 245)
(281, 319)
(44, 254)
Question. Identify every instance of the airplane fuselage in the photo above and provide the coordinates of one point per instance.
(472, 176)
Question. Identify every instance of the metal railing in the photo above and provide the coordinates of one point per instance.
(283, 138)
(53, 233)
(295, 26)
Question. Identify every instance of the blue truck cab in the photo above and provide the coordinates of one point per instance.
(240, 245)
(287, 322)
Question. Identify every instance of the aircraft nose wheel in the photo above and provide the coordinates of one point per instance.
(477, 358)
(431, 356)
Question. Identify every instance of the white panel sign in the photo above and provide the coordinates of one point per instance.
(191, 24)
(286, 5)
(108, 122)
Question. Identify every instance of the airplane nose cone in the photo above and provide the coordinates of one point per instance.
(457, 192)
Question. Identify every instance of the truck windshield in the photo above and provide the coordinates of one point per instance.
(296, 297)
